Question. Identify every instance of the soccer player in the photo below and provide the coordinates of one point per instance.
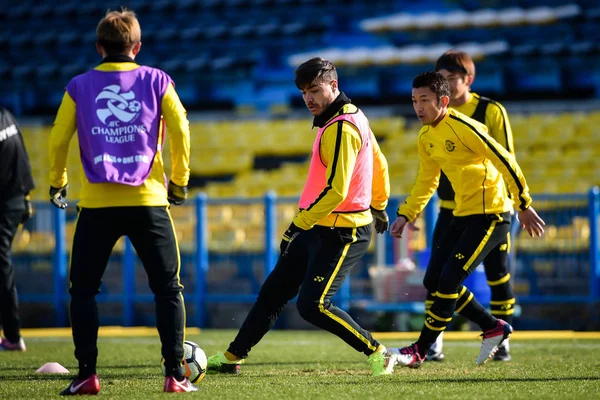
(347, 186)
(16, 182)
(458, 68)
(119, 110)
(477, 167)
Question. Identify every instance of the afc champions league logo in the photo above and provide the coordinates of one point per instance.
(122, 106)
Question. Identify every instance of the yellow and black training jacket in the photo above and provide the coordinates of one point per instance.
(338, 150)
(494, 116)
(476, 165)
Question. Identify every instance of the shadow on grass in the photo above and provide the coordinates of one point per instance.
(268, 364)
(69, 377)
(470, 380)
(100, 367)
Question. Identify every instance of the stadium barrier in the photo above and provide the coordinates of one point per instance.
(228, 247)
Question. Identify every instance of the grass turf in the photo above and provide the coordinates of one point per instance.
(317, 365)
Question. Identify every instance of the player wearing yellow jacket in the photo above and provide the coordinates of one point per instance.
(119, 110)
(459, 70)
(347, 183)
(475, 165)
(152, 191)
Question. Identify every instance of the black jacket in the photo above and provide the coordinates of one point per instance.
(15, 169)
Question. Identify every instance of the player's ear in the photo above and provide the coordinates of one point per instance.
(334, 85)
(444, 101)
(99, 49)
(469, 80)
(136, 48)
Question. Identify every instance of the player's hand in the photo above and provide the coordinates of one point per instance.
(531, 222)
(58, 195)
(288, 237)
(398, 226)
(176, 194)
(382, 220)
(413, 227)
(28, 212)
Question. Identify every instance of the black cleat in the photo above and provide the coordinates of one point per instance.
(502, 354)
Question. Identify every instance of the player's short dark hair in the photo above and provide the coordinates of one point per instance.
(118, 31)
(315, 71)
(434, 81)
(456, 61)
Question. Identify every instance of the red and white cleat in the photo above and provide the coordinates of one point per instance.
(90, 385)
(173, 385)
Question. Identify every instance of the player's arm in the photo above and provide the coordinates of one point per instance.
(381, 178)
(62, 131)
(178, 128)
(499, 126)
(427, 181)
(340, 144)
(485, 145)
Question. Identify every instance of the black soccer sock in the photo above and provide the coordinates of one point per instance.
(503, 299)
(86, 369)
(177, 371)
(429, 301)
(437, 319)
(468, 306)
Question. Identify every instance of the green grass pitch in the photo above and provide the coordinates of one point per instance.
(317, 365)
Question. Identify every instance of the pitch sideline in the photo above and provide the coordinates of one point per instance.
(120, 331)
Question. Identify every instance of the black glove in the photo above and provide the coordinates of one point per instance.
(28, 210)
(288, 237)
(381, 220)
(57, 196)
(176, 194)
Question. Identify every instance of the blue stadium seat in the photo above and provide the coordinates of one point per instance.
(554, 48)
(173, 66)
(201, 40)
(23, 72)
(44, 39)
(47, 71)
(197, 64)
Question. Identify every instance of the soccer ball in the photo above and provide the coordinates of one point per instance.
(195, 362)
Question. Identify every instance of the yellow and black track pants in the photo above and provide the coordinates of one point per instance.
(152, 234)
(315, 266)
(464, 244)
(497, 271)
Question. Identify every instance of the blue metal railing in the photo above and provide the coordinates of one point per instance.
(582, 263)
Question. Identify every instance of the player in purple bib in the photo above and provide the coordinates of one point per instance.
(119, 111)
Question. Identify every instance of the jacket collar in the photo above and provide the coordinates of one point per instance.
(322, 119)
(118, 58)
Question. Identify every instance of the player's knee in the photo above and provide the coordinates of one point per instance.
(166, 289)
(308, 309)
(78, 290)
(430, 283)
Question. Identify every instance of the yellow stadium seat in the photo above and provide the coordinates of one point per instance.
(219, 214)
(558, 133)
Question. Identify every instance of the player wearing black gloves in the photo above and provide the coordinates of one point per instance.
(123, 190)
(347, 186)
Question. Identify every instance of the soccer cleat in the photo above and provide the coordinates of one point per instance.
(407, 356)
(220, 363)
(492, 339)
(90, 385)
(172, 385)
(6, 345)
(433, 355)
(381, 362)
(502, 354)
